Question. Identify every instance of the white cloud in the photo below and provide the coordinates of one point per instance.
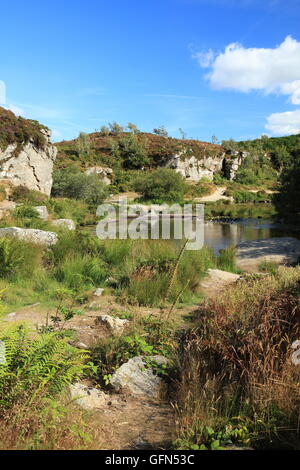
(284, 123)
(205, 59)
(246, 69)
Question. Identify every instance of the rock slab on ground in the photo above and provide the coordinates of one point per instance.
(42, 211)
(281, 250)
(65, 223)
(216, 281)
(40, 237)
(137, 378)
(98, 292)
(86, 397)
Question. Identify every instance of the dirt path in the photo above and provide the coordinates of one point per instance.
(131, 423)
(216, 196)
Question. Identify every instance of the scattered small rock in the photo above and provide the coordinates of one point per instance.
(114, 325)
(86, 397)
(98, 292)
(136, 378)
(94, 304)
(42, 211)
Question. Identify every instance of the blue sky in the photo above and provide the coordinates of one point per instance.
(76, 65)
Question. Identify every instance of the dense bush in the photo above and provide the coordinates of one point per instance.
(163, 185)
(77, 185)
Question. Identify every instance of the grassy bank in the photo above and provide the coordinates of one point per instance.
(137, 271)
(239, 211)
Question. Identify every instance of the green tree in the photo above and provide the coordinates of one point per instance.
(83, 145)
(115, 128)
(162, 185)
(133, 128)
(130, 151)
(182, 133)
(104, 130)
(161, 131)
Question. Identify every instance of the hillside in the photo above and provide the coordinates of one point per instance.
(96, 148)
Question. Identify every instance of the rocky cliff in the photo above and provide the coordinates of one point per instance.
(26, 153)
(194, 169)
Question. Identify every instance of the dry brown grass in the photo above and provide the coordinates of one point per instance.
(56, 427)
(237, 361)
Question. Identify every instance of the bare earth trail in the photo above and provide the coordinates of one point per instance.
(215, 196)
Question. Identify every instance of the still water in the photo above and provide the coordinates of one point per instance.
(219, 235)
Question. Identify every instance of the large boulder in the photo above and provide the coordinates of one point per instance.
(39, 237)
(29, 165)
(136, 377)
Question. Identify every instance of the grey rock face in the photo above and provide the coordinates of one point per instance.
(43, 212)
(66, 223)
(231, 165)
(194, 169)
(39, 237)
(31, 167)
(114, 325)
(136, 378)
(103, 172)
(87, 398)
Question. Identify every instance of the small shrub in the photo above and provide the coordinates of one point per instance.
(27, 196)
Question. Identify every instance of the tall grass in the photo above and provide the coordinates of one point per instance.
(234, 369)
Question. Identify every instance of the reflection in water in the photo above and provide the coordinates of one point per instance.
(219, 235)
